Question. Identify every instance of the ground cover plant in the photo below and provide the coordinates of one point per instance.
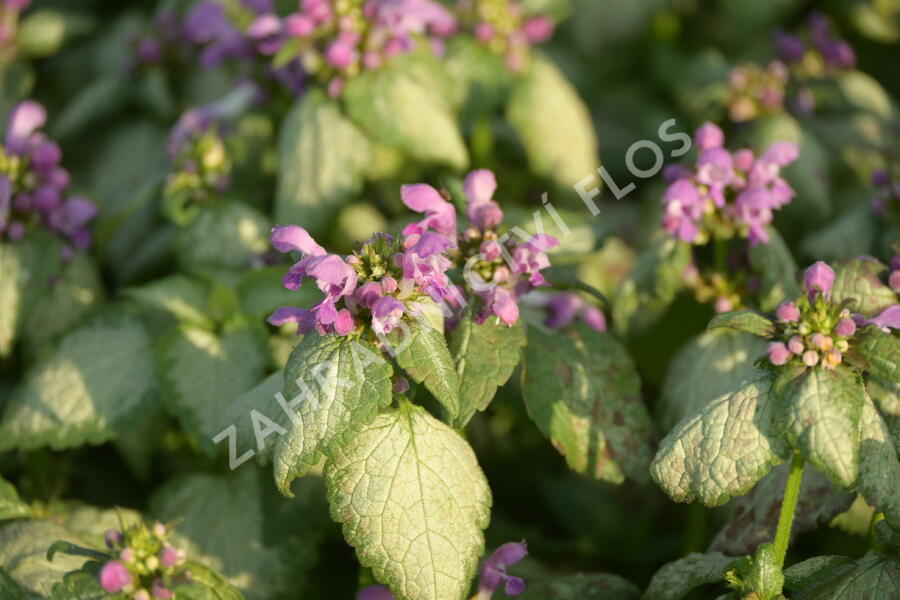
(449, 300)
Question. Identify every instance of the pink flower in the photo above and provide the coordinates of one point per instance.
(845, 328)
(482, 211)
(114, 576)
(440, 215)
(709, 135)
(787, 312)
(818, 280)
(778, 353)
(493, 570)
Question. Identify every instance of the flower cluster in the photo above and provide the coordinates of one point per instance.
(726, 193)
(378, 283)
(756, 90)
(143, 565)
(33, 184)
(505, 28)
(816, 331)
(241, 31)
(822, 50)
(337, 40)
(497, 268)
(491, 576)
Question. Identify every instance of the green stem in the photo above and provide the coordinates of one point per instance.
(788, 506)
(697, 526)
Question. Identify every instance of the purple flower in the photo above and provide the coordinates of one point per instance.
(530, 257)
(538, 29)
(789, 47)
(160, 591)
(266, 31)
(440, 215)
(894, 281)
(375, 592)
(498, 300)
(24, 120)
(482, 211)
(114, 576)
(562, 309)
(292, 237)
(386, 313)
(424, 264)
(493, 570)
(787, 312)
(888, 319)
(683, 210)
(778, 353)
(709, 136)
(818, 280)
(342, 52)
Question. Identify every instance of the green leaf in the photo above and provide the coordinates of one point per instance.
(100, 378)
(485, 355)
(259, 398)
(322, 157)
(23, 554)
(203, 373)
(876, 352)
(422, 352)
(724, 450)
(777, 269)
(879, 467)
(704, 369)
(677, 578)
(335, 386)
(583, 392)
(754, 516)
(227, 234)
(9, 588)
(68, 297)
(26, 266)
(413, 502)
(849, 234)
(860, 280)
(80, 585)
(402, 106)
(482, 80)
(745, 320)
(872, 576)
(182, 297)
(554, 125)
(818, 414)
(206, 584)
(643, 297)
(580, 586)
(813, 570)
(11, 506)
(60, 547)
(219, 518)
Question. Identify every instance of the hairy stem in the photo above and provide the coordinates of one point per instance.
(788, 506)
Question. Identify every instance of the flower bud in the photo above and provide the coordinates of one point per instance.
(831, 359)
(818, 279)
(894, 281)
(845, 328)
(168, 556)
(787, 312)
(159, 530)
(114, 577)
(152, 563)
(822, 342)
(778, 353)
(113, 538)
(126, 555)
(160, 591)
(810, 358)
(796, 346)
(142, 595)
